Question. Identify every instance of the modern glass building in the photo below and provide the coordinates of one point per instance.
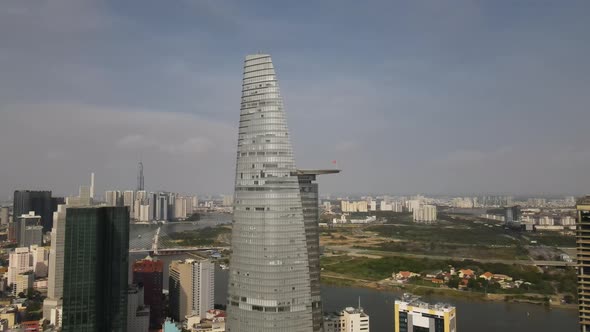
(38, 201)
(309, 190)
(583, 246)
(269, 283)
(96, 267)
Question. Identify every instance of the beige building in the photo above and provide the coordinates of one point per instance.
(348, 320)
(413, 315)
(425, 213)
(360, 206)
(23, 282)
(192, 284)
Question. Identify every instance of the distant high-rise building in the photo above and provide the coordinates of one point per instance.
(140, 183)
(29, 230)
(38, 201)
(413, 315)
(425, 213)
(309, 190)
(56, 264)
(20, 261)
(583, 244)
(138, 314)
(92, 186)
(347, 320)
(269, 279)
(4, 215)
(192, 286)
(96, 267)
(23, 283)
(512, 214)
(149, 273)
(113, 198)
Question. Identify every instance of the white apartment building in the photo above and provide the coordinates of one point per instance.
(425, 213)
(56, 264)
(413, 204)
(19, 261)
(373, 206)
(360, 206)
(348, 320)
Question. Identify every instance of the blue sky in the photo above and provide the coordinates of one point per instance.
(408, 96)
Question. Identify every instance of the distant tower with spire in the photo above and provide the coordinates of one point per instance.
(140, 185)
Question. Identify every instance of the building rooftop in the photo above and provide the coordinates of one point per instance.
(415, 301)
(317, 171)
(584, 200)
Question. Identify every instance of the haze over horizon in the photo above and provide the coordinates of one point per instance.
(408, 97)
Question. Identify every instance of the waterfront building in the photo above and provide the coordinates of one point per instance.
(192, 286)
(413, 315)
(583, 245)
(269, 279)
(309, 190)
(138, 314)
(96, 267)
(348, 320)
(148, 272)
(38, 201)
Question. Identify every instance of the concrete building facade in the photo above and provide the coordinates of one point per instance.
(192, 288)
(348, 320)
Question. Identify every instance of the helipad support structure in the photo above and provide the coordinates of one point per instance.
(311, 215)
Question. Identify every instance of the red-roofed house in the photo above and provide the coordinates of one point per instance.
(466, 273)
(487, 275)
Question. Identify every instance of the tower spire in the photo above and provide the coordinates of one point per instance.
(140, 184)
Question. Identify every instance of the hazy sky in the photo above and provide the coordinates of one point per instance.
(408, 96)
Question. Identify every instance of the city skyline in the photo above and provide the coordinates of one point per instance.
(419, 97)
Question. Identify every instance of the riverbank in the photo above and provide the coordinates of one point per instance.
(334, 279)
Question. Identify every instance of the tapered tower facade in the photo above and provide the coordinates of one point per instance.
(269, 283)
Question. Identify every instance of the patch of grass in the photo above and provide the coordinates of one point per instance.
(202, 237)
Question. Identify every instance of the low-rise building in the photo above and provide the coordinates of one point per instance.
(348, 320)
(413, 315)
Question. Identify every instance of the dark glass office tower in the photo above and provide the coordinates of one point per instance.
(269, 280)
(96, 267)
(311, 216)
(38, 201)
(583, 246)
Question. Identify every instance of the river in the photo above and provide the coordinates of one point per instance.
(472, 315)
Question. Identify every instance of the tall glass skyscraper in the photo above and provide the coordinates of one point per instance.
(269, 283)
(96, 267)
